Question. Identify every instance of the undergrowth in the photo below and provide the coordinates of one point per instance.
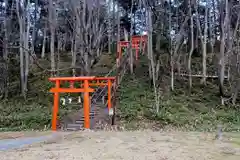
(199, 110)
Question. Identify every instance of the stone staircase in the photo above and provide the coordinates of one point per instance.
(98, 114)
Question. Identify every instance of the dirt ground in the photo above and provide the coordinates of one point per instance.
(14, 135)
(139, 145)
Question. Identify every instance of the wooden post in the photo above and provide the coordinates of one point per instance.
(109, 94)
(86, 104)
(55, 107)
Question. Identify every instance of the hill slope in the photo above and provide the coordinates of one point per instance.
(199, 110)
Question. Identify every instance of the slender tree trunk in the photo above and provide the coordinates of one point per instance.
(222, 51)
(52, 29)
(74, 56)
(192, 47)
(171, 52)
(204, 57)
(131, 34)
(114, 21)
(34, 33)
(158, 41)
(58, 54)
(5, 49)
(22, 57)
(211, 36)
(214, 21)
(118, 25)
(44, 40)
(26, 41)
(154, 79)
(109, 27)
(125, 35)
(64, 42)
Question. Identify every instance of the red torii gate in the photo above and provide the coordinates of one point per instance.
(136, 42)
(86, 82)
(143, 38)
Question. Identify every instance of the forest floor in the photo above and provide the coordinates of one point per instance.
(142, 145)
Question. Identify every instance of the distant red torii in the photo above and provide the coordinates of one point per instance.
(136, 42)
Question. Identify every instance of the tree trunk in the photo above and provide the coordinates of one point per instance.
(52, 29)
(5, 49)
(222, 52)
(58, 54)
(192, 47)
(171, 53)
(131, 34)
(152, 63)
(74, 57)
(204, 57)
(44, 41)
(109, 27)
(26, 44)
(34, 33)
(22, 57)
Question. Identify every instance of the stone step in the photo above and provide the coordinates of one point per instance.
(74, 127)
(81, 121)
(96, 112)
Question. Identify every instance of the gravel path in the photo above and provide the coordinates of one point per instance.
(137, 145)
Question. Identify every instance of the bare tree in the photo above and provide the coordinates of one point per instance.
(24, 27)
(109, 26)
(131, 34)
(222, 48)
(192, 45)
(171, 51)
(5, 48)
(52, 25)
(88, 32)
(44, 40)
(204, 46)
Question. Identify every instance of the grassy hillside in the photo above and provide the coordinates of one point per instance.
(199, 110)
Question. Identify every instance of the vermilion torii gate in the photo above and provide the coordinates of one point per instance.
(85, 83)
(136, 42)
